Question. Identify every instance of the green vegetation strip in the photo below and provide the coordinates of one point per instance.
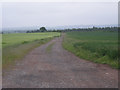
(98, 46)
(18, 45)
(48, 49)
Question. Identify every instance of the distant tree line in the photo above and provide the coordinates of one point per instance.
(93, 29)
(43, 29)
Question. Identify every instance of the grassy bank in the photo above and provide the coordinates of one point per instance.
(16, 46)
(100, 47)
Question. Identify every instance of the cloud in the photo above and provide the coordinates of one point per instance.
(56, 14)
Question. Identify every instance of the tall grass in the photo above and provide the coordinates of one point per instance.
(99, 47)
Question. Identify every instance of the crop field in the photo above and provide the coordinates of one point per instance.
(16, 46)
(21, 38)
(98, 46)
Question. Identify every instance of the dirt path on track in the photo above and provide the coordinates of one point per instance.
(50, 66)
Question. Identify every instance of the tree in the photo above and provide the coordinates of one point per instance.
(43, 29)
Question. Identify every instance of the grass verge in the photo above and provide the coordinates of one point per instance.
(48, 49)
(17, 52)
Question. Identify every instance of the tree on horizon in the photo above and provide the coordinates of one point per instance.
(43, 29)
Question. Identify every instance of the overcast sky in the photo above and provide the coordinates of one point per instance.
(59, 14)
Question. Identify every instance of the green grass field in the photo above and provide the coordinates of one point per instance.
(100, 47)
(16, 46)
(21, 38)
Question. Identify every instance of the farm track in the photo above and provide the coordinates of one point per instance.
(58, 68)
